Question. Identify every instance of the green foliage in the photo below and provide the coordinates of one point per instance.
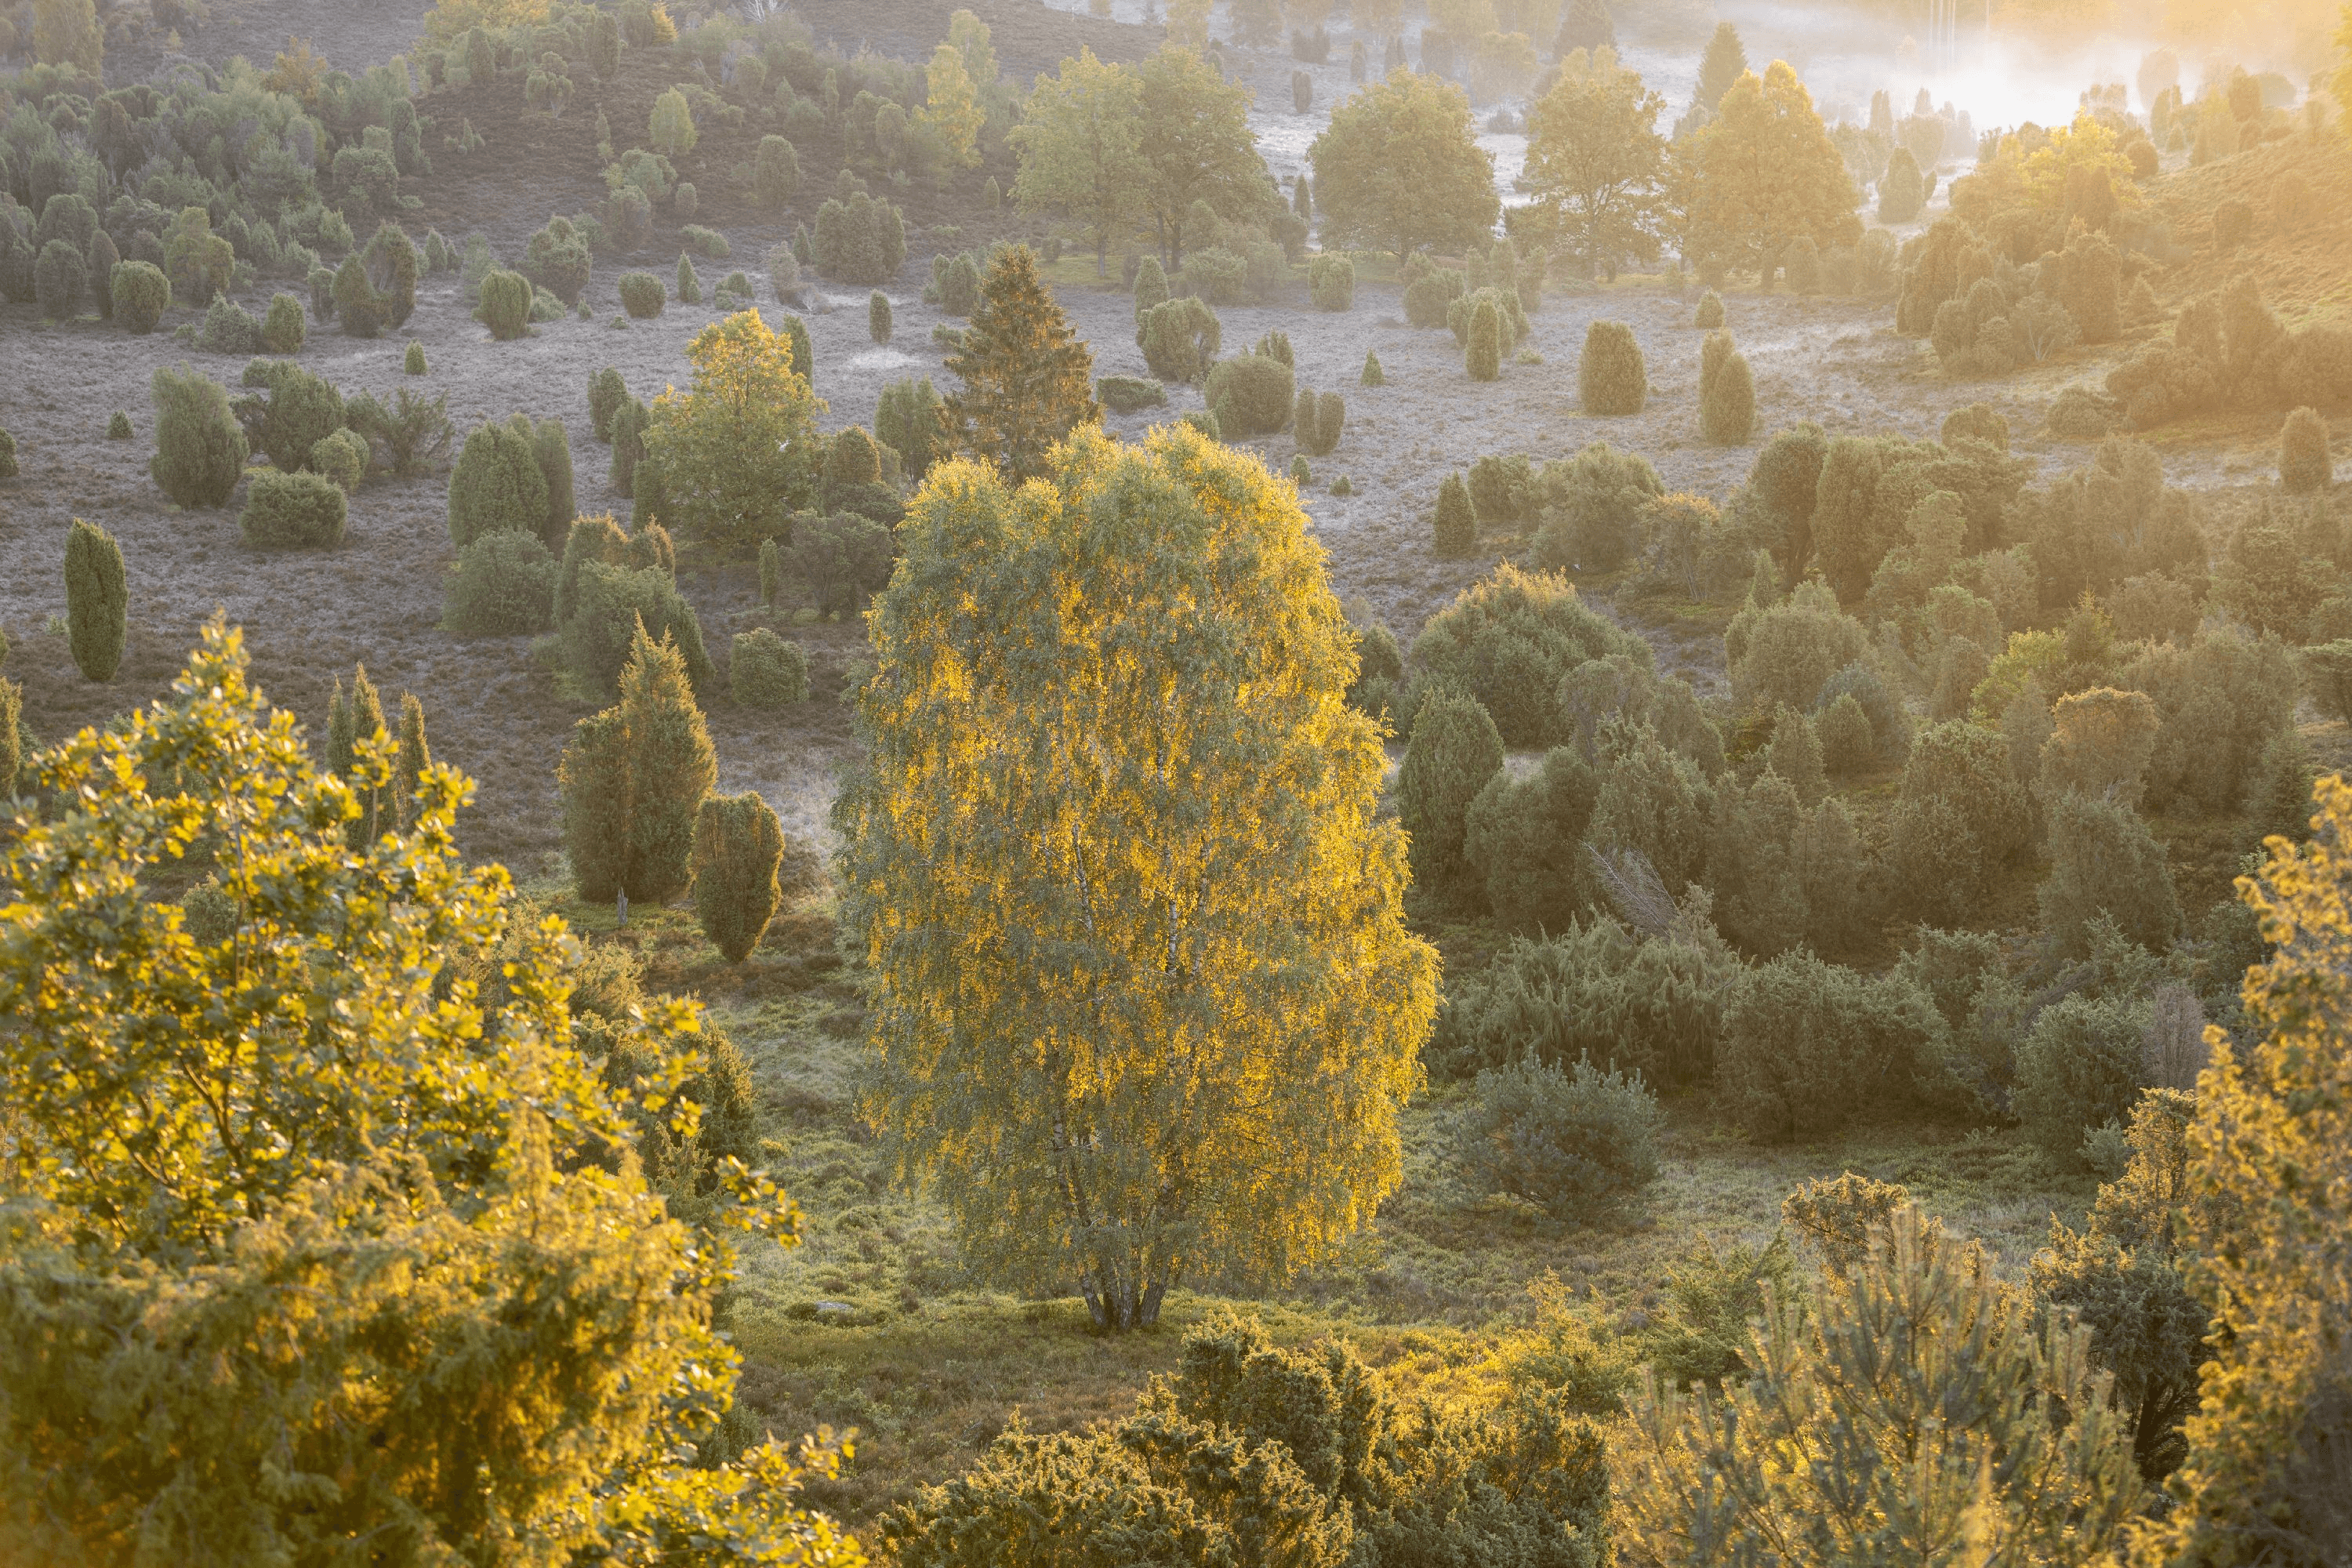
(610, 602)
(1591, 506)
(1453, 750)
(200, 448)
(1028, 378)
(60, 280)
(1563, 1140)
(1848, 747)
(1373, 375)
(1331, 281)
(293, 509)
(1252, 1454)
(1252, 393)
(506, 304)
(1123, 393)
(413, 433)
(1795, 755)
(860, 240)
(1509, 640)
(98, 601)
(1807, 1045)
(1455, 528)
(764, 671)
(1611, 377)
(504, 582)
(2121, 1276)
(2077, 1067)
(633, 777)
(737, 845)
(118, 426)
(299, 411)
(2305, 466)
(642, 295)
(1150, 288)
(2105, 863)
(1398, 168)
(164, 1260)
(1180, 338)
(557, 260)
(910, 420)
(1523, 837)
(1960, 817)
(690, 284)
(391, 263)
(2218, 703)
(1727, 413)
(775, 172)
(497, 484)
(1483, 352)
(877, 316)
(1306, 883)
(551, 445)
(607, 392)
(1846, 1217)
(1709, 316)
(142, 294)
(228, 329)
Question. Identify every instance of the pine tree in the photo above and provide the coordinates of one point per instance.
(98, 601)
(1028, 380)
(737, 845)
(1172, 1116)
(633, 778)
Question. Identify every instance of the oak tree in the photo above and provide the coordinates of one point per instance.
(1400, 168)
(1596, 159)
(1079, 146)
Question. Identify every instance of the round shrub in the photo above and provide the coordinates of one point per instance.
(1592, 507)
(282, 325)
(1252, 393)
(1179, 339)
(341, 458)
(1609, 375)
(142, 294)
(764, 671)
(199, 447)
(503, 583)
(298, 409)
(412, 361)
(506, 299)
(1562, 1140)
(1427, 297)
(1332, 282)
(2305, 465)
(228, 329)
(496, 485)
(2079, 1067)
(117, 428)
(1126, 394)
(60, 280)
(98, 601)
(292, 509)
(1709, 314)
(557, 260)
(642, 295)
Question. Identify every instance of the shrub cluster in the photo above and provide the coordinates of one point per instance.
(293, 509)
(1317, 420)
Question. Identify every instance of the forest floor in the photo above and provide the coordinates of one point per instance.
(874, 1322)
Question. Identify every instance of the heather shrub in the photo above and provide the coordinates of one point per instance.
(1561, 1141)
(1455, 528)
(200, 448)
(1180, 338)
(1252, 393)
(503, 583)
(98, 601)
(498, 485)
(142, 294)
(292, 509)
(1332, 282)
(2305, 465)
(737, 845)
(764, 671)
(1126, 394)
(228, 329)
(505, 305)
(294, 412)
(642, 295)
(341, 458)
(1609, 376)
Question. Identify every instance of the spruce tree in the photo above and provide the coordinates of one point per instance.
(98, 601)
(633, 779)
(1028, 380)
(737, 845)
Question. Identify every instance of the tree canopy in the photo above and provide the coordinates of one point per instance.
(1764, 175)
(1595, 155)
(1196, 146)
(1400, 168)
(1079, 142)
(737, 452)
(318, 1235)
(1143, 996)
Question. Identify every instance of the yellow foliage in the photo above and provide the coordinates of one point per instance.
(453, 18)
(952, 107)
(2084, 144)
(2268, 1227)
(1142, 991)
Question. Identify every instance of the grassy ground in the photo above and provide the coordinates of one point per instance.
(874, 1322)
